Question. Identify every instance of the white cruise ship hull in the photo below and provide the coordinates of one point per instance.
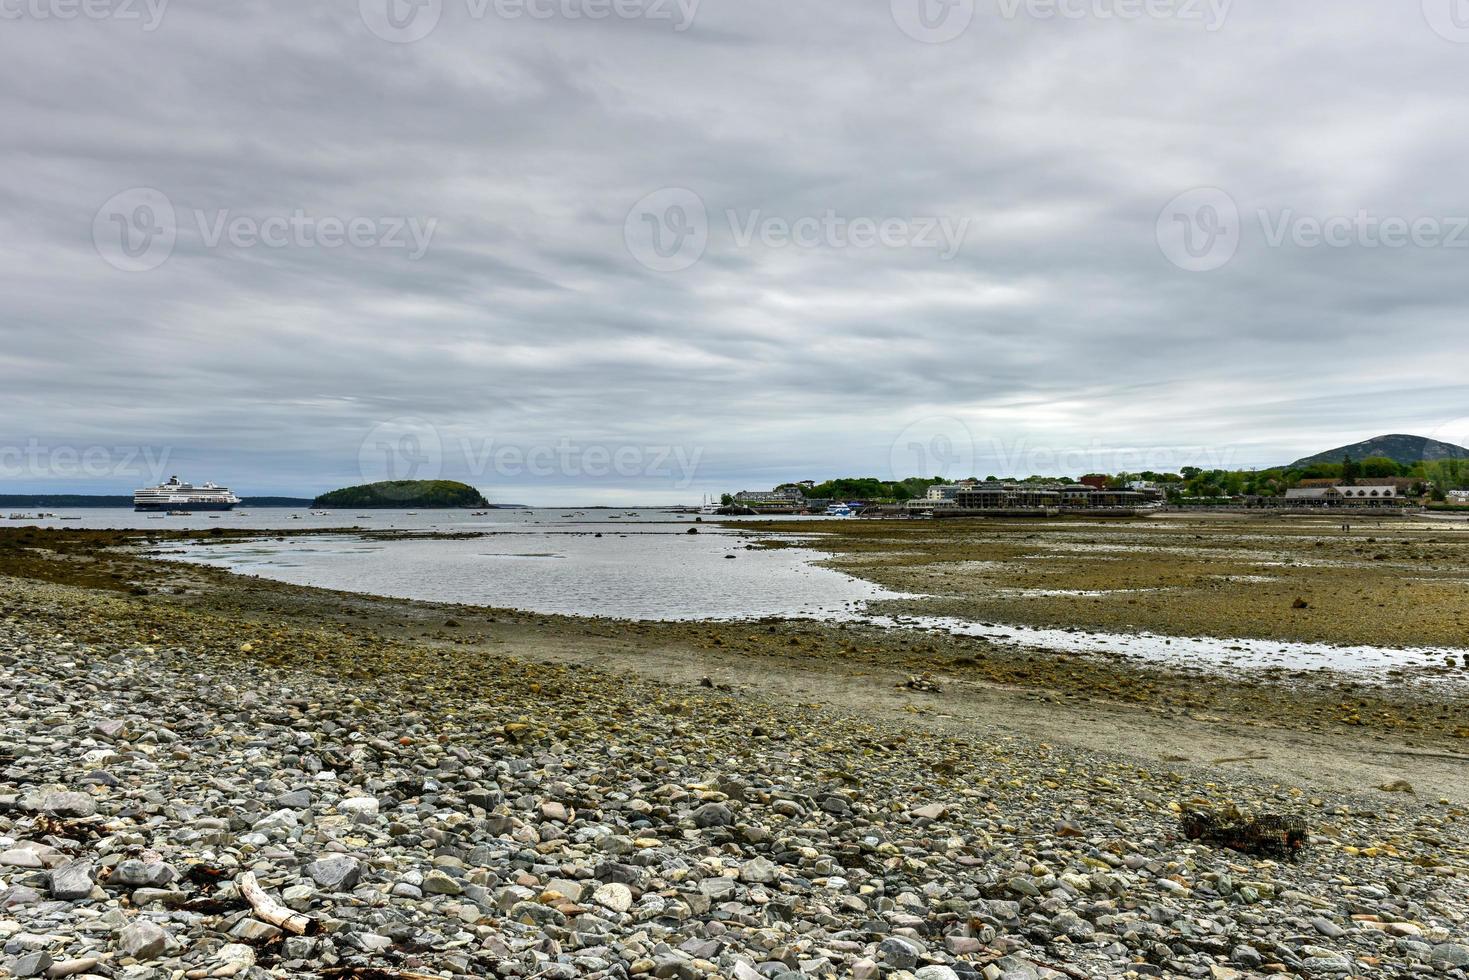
(189, 505)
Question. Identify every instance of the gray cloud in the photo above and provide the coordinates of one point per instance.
(1060, 331)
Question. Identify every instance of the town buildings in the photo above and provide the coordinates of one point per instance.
(1000, 496)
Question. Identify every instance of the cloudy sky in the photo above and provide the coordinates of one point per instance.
(640, 250)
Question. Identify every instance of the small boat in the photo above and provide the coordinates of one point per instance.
(840, 510)
(178, 513)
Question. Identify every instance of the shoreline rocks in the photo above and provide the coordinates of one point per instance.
(561, 822)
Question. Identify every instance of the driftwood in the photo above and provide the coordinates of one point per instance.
(269, 910)
(373, 973)
(1268, 835)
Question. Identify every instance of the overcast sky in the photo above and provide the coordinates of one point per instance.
(687, 247)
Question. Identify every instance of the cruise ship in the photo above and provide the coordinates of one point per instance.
(178, 496)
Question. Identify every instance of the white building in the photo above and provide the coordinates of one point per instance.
(942, 492)
(1343, 496)
(770, 498)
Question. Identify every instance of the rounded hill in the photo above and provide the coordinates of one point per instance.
(402, 494)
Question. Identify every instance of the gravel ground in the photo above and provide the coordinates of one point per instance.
(484, 816)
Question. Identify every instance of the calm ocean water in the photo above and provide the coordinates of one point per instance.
(626, 565)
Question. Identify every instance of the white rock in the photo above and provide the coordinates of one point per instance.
(358, 804)
(615, 896)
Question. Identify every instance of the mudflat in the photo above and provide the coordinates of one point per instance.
(1373, 581)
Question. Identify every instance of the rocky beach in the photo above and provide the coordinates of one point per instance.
(243, 779)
